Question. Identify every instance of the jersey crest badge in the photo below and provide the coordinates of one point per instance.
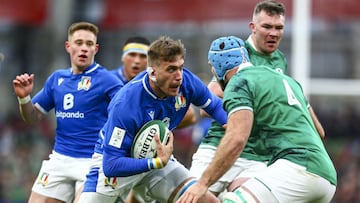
(85, 83)
(180, 101)
(43, 179)
(111, 182)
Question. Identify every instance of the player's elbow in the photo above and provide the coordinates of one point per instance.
(322, 134)
(108, 169)
(240, 142)
(203, 113)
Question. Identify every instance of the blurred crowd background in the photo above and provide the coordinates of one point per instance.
(32, 35)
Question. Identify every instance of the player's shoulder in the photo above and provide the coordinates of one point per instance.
(190, 77)
(60, 73)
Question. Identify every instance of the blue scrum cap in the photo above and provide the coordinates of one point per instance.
(227, 53)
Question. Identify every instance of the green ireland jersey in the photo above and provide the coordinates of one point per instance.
(282, 122)
(278, 62)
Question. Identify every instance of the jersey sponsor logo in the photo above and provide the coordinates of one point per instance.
(78, 114)
(151, 114)
(43, 179)
(60, 80)
(84, 83)
(180, 101)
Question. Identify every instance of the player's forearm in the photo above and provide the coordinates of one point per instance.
(226, 155)
(189, 119)
(216, 111)
(116, 166)
(230, 147)
(29, 113)
(317, 123)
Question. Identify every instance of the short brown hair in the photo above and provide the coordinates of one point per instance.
(271, 7)
(165, 49)
(83, 26)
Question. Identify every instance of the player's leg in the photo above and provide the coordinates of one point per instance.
(79, 188)
(135, 197)
(250, 169)
(241, 170)
(36, 197)
(168, 183)
(283, 181)
(54, 182)
(99, 188)
(93, 197)
(252, 191)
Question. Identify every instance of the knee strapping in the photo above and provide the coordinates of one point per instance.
(252, 191)
(181, 191)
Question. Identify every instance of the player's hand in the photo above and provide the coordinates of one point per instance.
(193, 194)
(164, 152)
(23, 84)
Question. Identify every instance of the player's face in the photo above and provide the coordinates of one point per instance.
(169, 77)
(82, 48)
(134, 63)
(267, 32)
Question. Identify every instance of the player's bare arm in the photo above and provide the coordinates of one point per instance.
(23, 85)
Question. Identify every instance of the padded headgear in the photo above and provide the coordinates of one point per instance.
(227, 53)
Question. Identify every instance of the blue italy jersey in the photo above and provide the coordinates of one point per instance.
(80, 103)
(119, 73)
(136, 104)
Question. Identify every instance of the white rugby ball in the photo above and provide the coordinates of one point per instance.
(144, 144)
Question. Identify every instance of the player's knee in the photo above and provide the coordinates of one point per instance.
(181, 189)
(236, 184)
(251, 191)
(240, 196)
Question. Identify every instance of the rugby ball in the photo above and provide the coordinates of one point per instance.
(144, 144)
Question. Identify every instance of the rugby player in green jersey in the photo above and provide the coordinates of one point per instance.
(268, 110)
(267, 27)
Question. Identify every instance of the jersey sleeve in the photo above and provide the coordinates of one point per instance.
(44, 99)
(112, 84)
(237, 95)
(205, 99)
(119, 132)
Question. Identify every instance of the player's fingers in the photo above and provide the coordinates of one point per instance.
(171, 138)
(31, 78)
(157, 139)
(16, 82)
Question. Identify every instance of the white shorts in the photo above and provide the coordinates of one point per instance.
(290, 182)
(61, 176)
(156, 184)
(241, 168)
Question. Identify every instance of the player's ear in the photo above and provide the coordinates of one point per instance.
(151, 73)
(67, 46)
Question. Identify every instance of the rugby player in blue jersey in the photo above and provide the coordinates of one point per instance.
(79, 96)
(165, 93)
(134, 60)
